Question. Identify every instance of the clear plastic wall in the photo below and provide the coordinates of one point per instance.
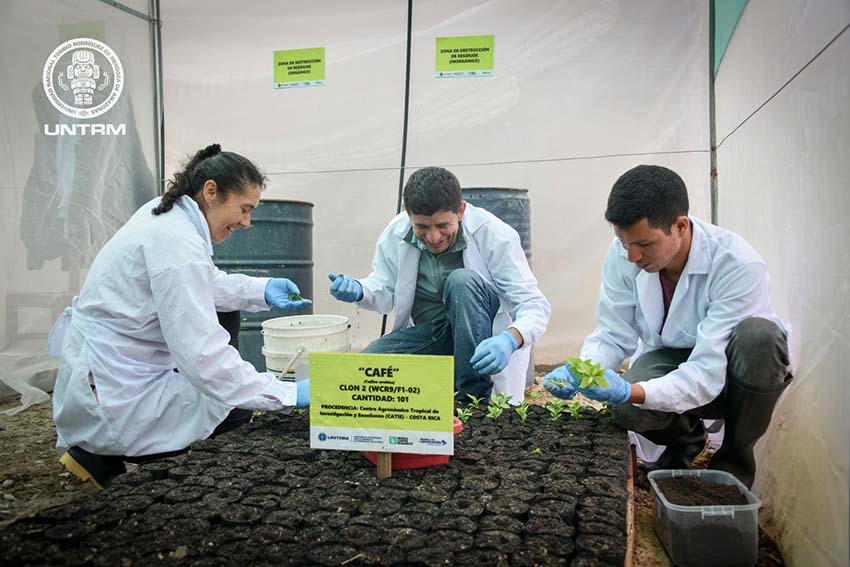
(783, 176)
(64, 190)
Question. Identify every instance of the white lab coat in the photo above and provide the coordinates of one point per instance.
(724, 282)
(492, 250)
(148, 306)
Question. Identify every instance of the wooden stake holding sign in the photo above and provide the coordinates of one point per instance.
(383, 404)
(385, 465)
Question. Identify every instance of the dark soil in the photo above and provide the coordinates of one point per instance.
(539, 493)
(694, 491)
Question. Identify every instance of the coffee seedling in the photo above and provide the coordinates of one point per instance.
(556, 408)
(494, 411)
(575, 409)
(476, 402)
(522, 410)
(463, 414)
(502, 400)
(295, 297)
(588, 373)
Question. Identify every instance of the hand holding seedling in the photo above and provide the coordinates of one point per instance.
(615, 391)
(588, 379)
(589, 374)
(284, 294)
(597, 383)
(560, 383)
(345, 288)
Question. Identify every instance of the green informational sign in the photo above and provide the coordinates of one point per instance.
(399, 403)
(299, 68)
(469, 56)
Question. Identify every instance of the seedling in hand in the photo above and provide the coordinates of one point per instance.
(588, 373)
(295, 297)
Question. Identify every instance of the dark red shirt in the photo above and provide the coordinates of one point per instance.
(667, 290)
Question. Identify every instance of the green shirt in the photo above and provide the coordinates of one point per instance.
(433, 270)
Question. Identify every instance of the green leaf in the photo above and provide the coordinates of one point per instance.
(476, 402)
(588, 373)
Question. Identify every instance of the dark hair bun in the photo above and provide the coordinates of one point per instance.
(208, 152)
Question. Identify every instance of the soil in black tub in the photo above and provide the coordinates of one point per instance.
(694, 491)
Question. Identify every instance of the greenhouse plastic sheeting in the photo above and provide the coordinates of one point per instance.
(581, 92)
(62, 195)
(783, 186)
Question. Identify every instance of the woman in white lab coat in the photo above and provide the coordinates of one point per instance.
(146, 368)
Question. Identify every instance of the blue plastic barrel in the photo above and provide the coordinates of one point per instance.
(279, 244)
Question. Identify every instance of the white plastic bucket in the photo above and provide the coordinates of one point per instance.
(283, 336)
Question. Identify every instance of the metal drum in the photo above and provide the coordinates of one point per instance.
(279, 244)
(513, 207)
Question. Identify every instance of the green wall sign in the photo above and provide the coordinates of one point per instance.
(467, 56)
(299, 68)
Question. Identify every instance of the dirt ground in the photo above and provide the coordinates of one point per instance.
(31, 479)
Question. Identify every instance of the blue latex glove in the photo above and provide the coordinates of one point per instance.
(492, 355)
(303, 394)
(552, 382)
(345, 288)
(618, 391)
(277, 294)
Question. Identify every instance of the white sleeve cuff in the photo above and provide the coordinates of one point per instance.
(258, 294)
(277, 395)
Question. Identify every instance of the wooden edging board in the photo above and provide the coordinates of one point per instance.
(630, 507)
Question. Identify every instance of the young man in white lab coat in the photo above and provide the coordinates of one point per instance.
(689, 303)
(457, 281)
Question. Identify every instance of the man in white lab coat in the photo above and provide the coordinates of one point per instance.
(458, 282)
(689, 303)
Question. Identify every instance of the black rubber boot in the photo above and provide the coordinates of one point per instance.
(680, 454)
(747, 415)
(684, 438)
(100, 470)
